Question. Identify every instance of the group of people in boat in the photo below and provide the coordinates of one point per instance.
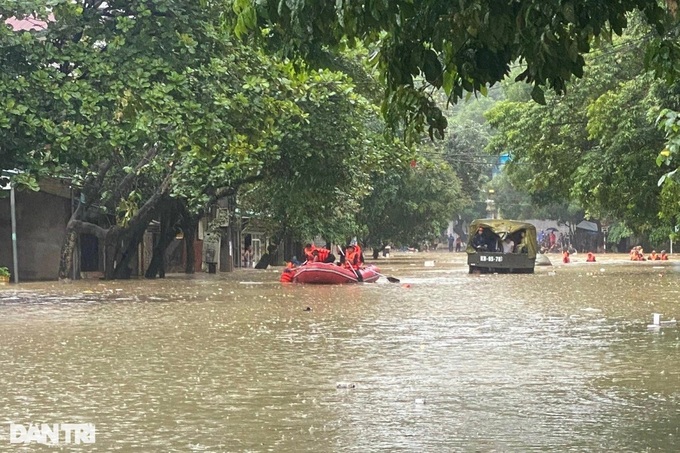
(486, 240)
(637, 254)
(314, 254)
(352, 257)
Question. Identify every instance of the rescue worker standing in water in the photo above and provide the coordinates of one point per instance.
(565, 256)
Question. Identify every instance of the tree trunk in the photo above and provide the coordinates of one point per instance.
(169, 218)
(120, 244)
(227, 252)
(91, 187)
(67, 250)
(124, 245)
(129, 242)
(73, 229)
(189, 238)
(157, 265)
(110, 253)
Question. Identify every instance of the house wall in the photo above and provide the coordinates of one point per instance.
(41, 225)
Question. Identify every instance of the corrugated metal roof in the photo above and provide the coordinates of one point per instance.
(27, 23)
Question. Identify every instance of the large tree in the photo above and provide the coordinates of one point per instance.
(143, 101)
(458, 46)
(411, 204)
(316, 182)
(594, 147)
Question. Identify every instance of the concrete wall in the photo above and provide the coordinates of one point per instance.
(41, 225)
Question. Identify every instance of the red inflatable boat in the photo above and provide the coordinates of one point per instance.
(332, 274)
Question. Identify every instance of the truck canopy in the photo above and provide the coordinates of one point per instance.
(503, 228)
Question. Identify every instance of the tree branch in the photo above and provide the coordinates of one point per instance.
(126, 182)
(89, 228)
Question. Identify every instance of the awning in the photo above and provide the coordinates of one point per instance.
(589, 226)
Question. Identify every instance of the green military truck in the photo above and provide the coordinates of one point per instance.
(502, 246)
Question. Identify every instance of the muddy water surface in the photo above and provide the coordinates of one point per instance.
(561, 360)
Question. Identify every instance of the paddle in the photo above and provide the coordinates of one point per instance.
(389, 279)
(356, 272)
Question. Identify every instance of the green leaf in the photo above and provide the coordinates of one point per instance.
(432, 68)
(538, 95)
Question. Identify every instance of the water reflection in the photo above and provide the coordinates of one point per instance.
(444, 361)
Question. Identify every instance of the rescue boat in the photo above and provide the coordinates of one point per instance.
(332, 274)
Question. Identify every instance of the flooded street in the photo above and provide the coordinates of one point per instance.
(561, 360)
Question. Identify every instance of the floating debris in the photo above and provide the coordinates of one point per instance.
(345, 385)
(657, 323)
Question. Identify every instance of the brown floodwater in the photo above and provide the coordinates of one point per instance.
(561, 360)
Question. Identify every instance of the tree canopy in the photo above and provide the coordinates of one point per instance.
(154, 111)
(139, 102)
(595, 147)
(458, 46)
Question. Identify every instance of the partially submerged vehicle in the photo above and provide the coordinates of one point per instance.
(503, 246)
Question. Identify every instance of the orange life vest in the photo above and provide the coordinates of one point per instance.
(565, 257)
(353, 257)
(321, 254)
(309, 253)
(287, 275)
(360, 253)
(591, 257)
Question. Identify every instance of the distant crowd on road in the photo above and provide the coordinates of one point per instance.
(455, 243)
(550, 242)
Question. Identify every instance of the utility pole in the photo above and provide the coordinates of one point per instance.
(13, 209)
(13, 215)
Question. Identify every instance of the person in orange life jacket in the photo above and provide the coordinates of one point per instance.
(288, 272)
(287, 275)
(308, 252)
(360, 253)
(653, 256)
(591, 257)
(353, 258)
(663, 256)
(565, 256)
(323, 255)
